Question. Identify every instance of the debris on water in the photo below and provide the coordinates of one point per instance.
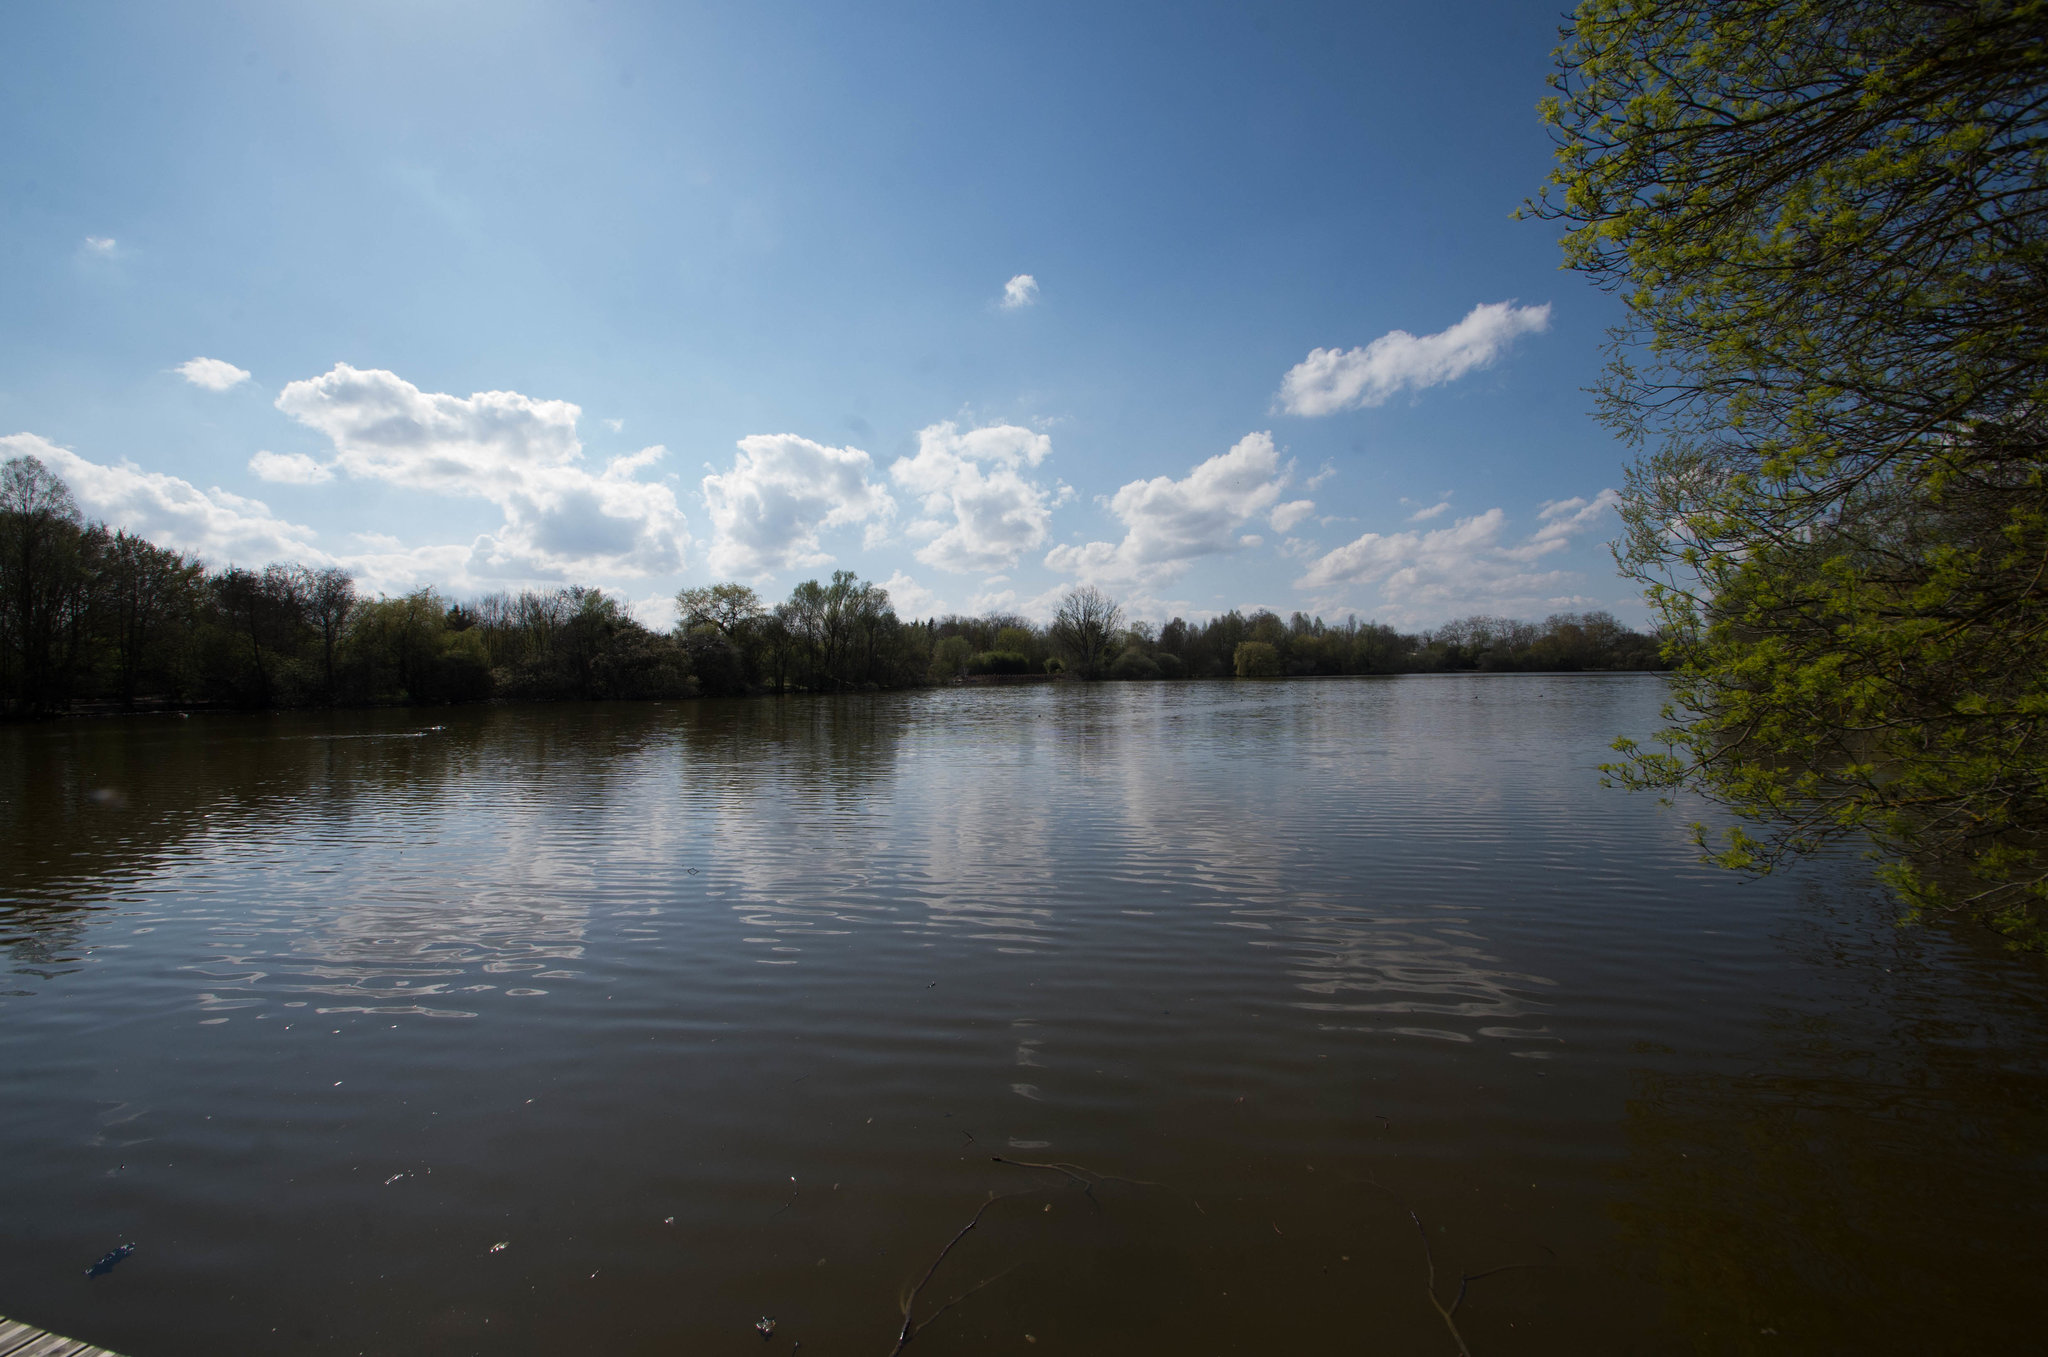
(395, 1177)
(501, 1246)
(765, 1326)
(668, 1220)
(106, 1263)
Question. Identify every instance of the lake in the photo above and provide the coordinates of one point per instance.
(621, 1028)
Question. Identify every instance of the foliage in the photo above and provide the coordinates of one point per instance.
(950, 657)
(97, 617)
(730, 609)
(41, 536)
(1134, 663)
(1563, 642)
(92, 618)
(999, 662)
(1256, 659)
(845, 634)
(1086, 631)
(1825, 218)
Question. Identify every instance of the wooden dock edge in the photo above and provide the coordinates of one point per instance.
(25, 1340)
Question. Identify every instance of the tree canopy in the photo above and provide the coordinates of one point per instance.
(1088, 630)
(1825, 221)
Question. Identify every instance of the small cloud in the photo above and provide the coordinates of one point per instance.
(1329, 380)
(100, 245)
(910, 598)
(1171, 523)
(1424, 515)
(1315, 482)
(615, 425)
(655, 611)
(211, 374)
(1285, 516)
(1564, 519)
(1019, 291)
(289, 468)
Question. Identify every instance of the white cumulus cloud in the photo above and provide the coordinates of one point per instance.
(212, 374)
(911, 599)
(1170, 523)
(1329, 380)
(782, 491)
(980, 511)
(289, 468)
(1021, 290)
(1474, 565)
(520, 454)
(220, 526)
(1564, 519)
(101, 245)
(1285, 516)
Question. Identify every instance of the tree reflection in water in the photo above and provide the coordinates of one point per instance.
(1856, 1185)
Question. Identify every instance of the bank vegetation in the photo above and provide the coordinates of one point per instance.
(97, 619)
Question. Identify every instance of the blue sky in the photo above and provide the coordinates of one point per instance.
(1210, 305)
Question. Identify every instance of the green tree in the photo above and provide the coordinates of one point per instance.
(730, 608)
(1825, 219)
(1088, 631)
(950, 657)
(330, 596)
(845, 634)
(264, 612)
(43, 582)
(1256, 659)
(1134, 664)
(394, 646)
(148, 596)
(1021, 640)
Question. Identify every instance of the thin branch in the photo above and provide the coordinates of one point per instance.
(911, 1327)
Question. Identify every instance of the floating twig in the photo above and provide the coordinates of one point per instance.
(1465, 1279)
(913, 1326)
(1088, 1179)
(793, 1190)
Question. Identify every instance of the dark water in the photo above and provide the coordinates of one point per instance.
(710, 1012)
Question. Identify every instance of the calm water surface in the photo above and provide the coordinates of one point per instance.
(617, 1028)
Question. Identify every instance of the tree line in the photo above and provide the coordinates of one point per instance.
(97, 618)
(1093, 639)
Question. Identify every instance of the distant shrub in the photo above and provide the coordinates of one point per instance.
(999, 662)
(1016, 639)
(950, 658)
(1134, 664)
(1257, 659)
(1170, 665)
